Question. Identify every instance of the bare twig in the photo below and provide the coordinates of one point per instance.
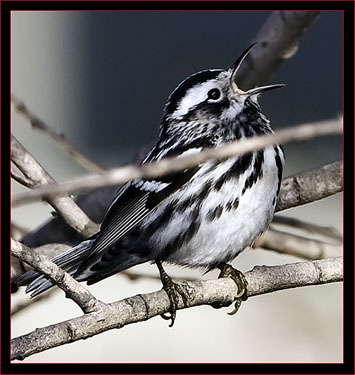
(131, 275)
(287, 243)
(49, 250)
(38, 124)
(53, 249)
(142, 307)
(168, 165)
(71, 287)
(64, 205)
(310, 186)
(21, 179)
(329, 232)
(278, 41)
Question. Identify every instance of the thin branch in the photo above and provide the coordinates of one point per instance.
(329, 232)
(287, 243)
(49, 250)
(39, 124)
(281, 242)
(64, 205)
(260, 280)
(310, 186)
(53, 249)
(133, 276)
(169, 165)
(71, 287)
(278, 41)
(21, 179)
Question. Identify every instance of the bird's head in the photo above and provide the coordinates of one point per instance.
(207, 98)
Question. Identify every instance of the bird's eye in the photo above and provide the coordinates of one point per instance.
(214, 94)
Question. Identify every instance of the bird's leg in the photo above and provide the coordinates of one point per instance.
(238, 277)
(172, 290)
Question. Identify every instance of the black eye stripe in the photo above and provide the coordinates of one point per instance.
(214, 94)
(187, 84)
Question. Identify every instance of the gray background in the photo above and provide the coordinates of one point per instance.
(102, 79)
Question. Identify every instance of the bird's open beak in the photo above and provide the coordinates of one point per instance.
(236, 65)
(234, 70)
(259, 90)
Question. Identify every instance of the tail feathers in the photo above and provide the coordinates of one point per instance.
(69, 261)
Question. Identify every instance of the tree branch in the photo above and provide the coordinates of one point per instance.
(73, 289)
(38, 124)
(21, 179)
(310, 186)
(169, 165)
(64, 205)
(260, 280)
(51, 250)
(329, 232)
(287, 243)
(278, 41)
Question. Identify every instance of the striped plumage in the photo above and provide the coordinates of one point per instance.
(200, 217)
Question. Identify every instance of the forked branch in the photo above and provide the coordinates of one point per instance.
(37, 176)
(260, 280)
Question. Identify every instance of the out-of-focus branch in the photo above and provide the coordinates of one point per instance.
(287, 243)
(71, 287)
(63, 204)
(142, 307)
(277, 42)
(310, 186)
(21, 179)
(169, 165)
(39, 124)
(329, 232)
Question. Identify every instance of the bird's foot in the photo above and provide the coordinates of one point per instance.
(172, 290)
(238, 277)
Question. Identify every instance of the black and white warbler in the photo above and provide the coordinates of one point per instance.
(200, 217)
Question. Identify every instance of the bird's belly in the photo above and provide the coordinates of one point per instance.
(221, 239)
(224, 223)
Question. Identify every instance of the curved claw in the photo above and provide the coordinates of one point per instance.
(171, 317)
(238, 277)
(174, 300)
(237, 304)
(172, 290)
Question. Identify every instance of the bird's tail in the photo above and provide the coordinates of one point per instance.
(69, 261)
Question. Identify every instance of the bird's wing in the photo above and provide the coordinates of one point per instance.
(133, 202)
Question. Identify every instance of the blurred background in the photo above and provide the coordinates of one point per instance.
(101, 79)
